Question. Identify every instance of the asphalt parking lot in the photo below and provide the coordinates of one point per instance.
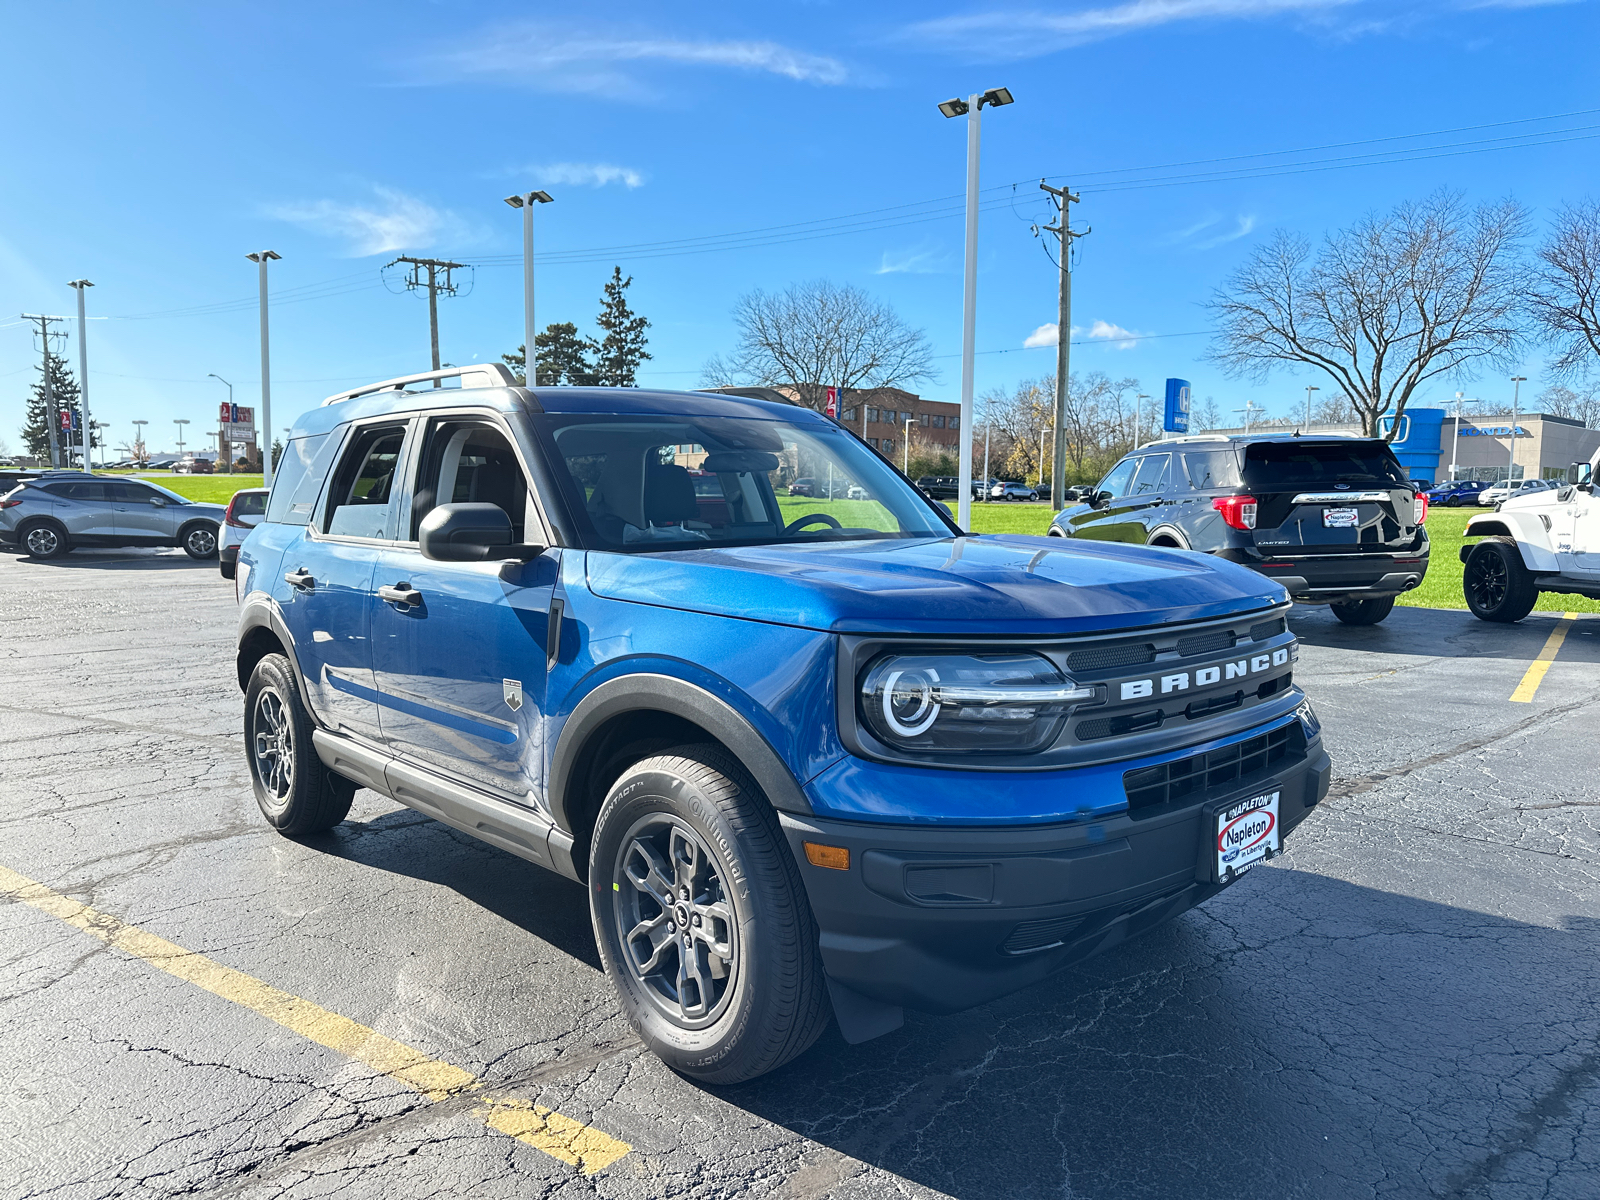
(1401, 1005)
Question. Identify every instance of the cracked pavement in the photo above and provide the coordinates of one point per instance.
(1401, 1005)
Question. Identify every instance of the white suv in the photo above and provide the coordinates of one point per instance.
(1542, 539)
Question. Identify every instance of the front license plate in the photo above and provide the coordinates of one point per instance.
(1245, 833)
(1339, 518)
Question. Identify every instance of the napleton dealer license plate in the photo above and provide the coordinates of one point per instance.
(1340, 518)
(1246, 833)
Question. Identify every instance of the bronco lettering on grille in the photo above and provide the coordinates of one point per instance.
(1180, 681)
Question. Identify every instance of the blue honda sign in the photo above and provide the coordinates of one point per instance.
(1177, 418)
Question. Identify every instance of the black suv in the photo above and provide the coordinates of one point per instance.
(1333, 519)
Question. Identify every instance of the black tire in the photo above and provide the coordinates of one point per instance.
(1453, 501)
(43, 540)
(696, 813)
(1363, 612)
(1496, 584)
(199, 540)
(297, 794)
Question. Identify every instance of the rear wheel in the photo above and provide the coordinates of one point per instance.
(296, 793)
(44, 539)
(200, 541)
(1363, 612)
(702, 920)
(1497, 586)
(1453, 501)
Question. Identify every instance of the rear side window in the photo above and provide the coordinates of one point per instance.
(361, 496)
(1152, 475)
(1209, 470)
(81, 489)
(1273, 465)
(301, 470)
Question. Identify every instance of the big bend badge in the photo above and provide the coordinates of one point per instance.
(513, 693)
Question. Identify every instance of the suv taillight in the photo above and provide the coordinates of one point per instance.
(228, 517)
(1237, 511)
(11, 503)
(1422, 508)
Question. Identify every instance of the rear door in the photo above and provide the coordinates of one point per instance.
(460, 662)
(86, 508)
(1329, 497)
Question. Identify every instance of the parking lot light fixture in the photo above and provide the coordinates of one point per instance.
(526, 201)
(1314, 388)
(1516, 391)
(180, 422)
(261, 258)
(972, 109)
(81, 286)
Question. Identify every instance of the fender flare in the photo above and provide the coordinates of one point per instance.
(1524, 528)
(652, 692)
(261, 612)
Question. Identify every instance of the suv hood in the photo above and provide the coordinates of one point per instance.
(997, 584)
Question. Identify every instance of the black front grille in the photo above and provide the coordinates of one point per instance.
(1262, 630)
(1199, 774)
(1206, 643)
(1105, 727)
(1101, 658)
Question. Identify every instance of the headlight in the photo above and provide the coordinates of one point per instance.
(967, 703)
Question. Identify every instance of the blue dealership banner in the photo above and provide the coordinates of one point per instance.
(1177, 418)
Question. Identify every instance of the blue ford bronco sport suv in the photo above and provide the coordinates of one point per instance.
(808, 756)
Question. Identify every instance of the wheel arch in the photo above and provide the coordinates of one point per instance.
(1168, 535)
(262, 632)
(633, 715)
(1526, 529)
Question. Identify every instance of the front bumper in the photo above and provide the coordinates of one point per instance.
(940, 919)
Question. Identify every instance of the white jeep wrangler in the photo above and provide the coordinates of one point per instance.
(1548, 541)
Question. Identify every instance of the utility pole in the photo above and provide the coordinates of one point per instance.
(261, 258)
(81, 286)
(1063, 228)
(51, 418)
(433, 267)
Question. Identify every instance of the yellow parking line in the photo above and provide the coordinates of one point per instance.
(1538, 668)
(561, 1137)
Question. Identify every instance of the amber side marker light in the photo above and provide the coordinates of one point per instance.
(835, 858)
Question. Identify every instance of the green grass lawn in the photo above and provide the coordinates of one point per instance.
(209, 489)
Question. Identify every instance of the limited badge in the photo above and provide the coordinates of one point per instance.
(513, 691)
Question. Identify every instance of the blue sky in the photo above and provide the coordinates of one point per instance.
(151, 147)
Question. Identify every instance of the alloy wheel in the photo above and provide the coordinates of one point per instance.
(1487, 581)
(201, 541)
(676, 924)
(274, 745)
(43, 541)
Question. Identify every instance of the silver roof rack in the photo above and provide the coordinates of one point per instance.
(478, 375)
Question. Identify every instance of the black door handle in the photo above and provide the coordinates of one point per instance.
(401, 593)
(300, 579)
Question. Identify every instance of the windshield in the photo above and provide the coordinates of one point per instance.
(1271, 465)
(642, 482)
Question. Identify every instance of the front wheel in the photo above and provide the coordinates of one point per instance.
(1363, 612)
(702, 919)
(1453, 502)
(296, 793)
(1497, 585)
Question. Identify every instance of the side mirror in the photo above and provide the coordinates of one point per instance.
(1099, 499)
(470, 533)
(157, 502)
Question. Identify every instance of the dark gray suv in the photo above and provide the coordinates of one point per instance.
(60, 510)
(1333, 519)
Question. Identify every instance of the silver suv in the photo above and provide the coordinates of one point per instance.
(51, 515)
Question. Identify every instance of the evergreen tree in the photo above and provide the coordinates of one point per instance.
(562, 357)
(618, 356)
(37, 422)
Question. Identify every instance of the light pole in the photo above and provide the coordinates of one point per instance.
(972, 109)
(261, 259)
(180, 422)
(1309, 389)
(985, 467)
(80, 286)
(224, 442)
(1516, 390)
(1249, 407)
(1457, 442)
(141, 453)
(526, 201)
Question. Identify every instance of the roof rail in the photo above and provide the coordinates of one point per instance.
(478, 375)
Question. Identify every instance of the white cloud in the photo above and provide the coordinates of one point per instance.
(1100, 331)
(568, 174)
(396, 222)
(912, 262)
(1243, 226)
(1030, 33)
(552, 57)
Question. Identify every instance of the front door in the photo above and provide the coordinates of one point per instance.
(327, 597)
(460, 648)
(1096, 522)
(1584, 560)
(143, 515)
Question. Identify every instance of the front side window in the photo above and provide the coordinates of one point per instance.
(359, 504)
(470, 462)
(630, 482)
(1121, 475)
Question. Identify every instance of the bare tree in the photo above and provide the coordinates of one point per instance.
(1384, 306)
(1565, 296)
(1577, 405)
(1204, 415)
(1335, 410)
(818, 335)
